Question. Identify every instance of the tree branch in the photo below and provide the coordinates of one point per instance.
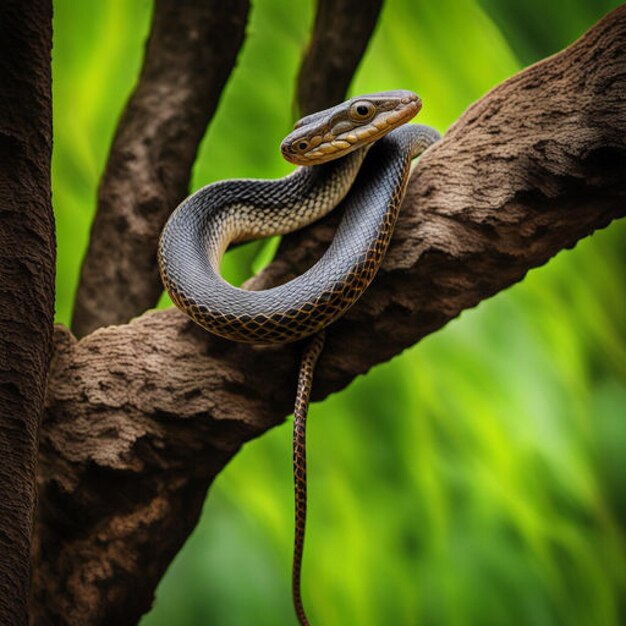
(340, 36)
(27, 256)
(142, 417)
(189, 56)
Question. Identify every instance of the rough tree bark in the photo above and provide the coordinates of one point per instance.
(189, 56)
(27, 255)
(340, 36)
(141, 417)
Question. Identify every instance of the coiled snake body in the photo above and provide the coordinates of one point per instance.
(333, 146)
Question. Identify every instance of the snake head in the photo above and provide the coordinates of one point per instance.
(334, 132)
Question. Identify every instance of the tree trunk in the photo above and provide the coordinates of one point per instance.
(27, 256)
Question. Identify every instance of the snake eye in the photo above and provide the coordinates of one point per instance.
(301, 145)
(362, 111)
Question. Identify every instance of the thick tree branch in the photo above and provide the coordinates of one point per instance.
(340, 36)
(142, 417)
(27, 256)
(190, 53)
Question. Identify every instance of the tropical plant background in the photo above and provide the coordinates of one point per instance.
(477, 479)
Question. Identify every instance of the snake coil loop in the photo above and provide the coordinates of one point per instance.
(357, 154)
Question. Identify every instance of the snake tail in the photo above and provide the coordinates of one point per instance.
(310, 354)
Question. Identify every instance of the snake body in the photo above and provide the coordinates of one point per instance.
(357, 154)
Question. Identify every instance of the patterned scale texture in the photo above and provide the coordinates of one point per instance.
(201, 228)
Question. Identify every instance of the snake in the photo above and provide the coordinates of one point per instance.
(354, 157)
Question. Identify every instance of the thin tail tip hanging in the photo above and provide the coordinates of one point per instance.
(310, 354)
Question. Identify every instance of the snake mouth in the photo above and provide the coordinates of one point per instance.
(332, 134)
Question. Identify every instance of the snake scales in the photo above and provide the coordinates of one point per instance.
(367, 135)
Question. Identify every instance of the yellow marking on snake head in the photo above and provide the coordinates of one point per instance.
(335, 132)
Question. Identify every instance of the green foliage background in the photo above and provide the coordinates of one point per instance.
(479, 478)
